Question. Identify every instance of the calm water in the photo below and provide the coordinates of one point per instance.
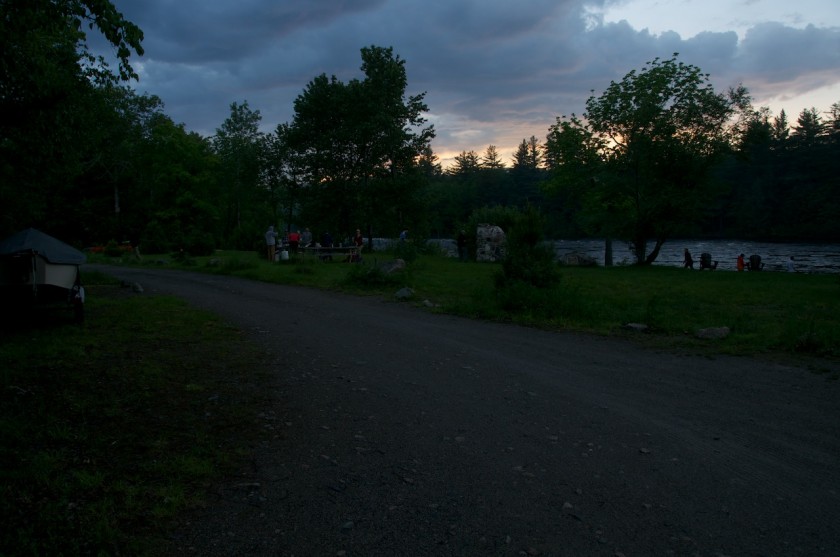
(809, 258)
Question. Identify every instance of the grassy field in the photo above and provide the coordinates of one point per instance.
(112, 429)
(772, 314)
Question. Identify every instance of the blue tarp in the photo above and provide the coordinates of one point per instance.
(35, 241)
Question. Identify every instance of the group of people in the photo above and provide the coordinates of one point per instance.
(754, 263)
(296, 239)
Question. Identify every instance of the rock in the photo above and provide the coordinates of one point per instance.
(578, 260)
(390, 267)
(713, 333)
(638, 327)
(404, 293)
(490, 243)
(137, 288)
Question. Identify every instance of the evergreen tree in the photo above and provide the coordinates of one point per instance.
(491, 159)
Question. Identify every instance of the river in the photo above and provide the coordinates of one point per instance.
(808, 258)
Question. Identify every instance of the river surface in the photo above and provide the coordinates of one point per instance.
(808, 258)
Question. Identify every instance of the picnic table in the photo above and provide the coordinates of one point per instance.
(349, 254)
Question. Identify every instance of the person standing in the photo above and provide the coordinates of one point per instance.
(688, 262)
(306, 238)
(358, 239)
(270, 242)
(462, 245)
(739, 263)
(294, 240)
(791, 267)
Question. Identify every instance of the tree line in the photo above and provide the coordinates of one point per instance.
(659, 154)
(85, 157)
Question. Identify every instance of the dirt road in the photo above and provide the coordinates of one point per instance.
(398, 432)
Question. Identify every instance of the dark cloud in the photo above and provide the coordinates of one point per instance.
(773, 52)
(494, 72)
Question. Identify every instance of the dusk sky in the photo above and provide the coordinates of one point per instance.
(494, 72)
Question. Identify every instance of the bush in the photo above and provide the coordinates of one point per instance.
(113, 249)
(534, 266)
(155, 239)
(199, 244)
(371, 277)
(407, 251)
(528, 260)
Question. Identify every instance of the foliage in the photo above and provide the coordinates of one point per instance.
(783, 186)
(101, 450)
(240, 147)
(465, 163)
(87, 159)
(113, 249)
(406, 250)
(365, 169)
(528, 261)
(50, 101)
(642, 155)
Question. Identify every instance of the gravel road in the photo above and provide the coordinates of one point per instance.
(395, 431)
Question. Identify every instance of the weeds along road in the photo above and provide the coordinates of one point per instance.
(394, 431)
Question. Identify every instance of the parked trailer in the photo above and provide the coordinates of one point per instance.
(37, 270)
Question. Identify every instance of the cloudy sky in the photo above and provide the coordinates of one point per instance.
(494, 71)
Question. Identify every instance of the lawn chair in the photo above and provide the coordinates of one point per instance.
(706, 262)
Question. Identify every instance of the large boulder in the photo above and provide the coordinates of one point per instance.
(575, 259)
(490, 243)
(393, 266)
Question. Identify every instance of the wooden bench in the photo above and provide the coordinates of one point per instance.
(342, 253)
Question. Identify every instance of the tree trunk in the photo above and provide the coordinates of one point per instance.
(639, 249)
(655, 252)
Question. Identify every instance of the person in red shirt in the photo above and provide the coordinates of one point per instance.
(294, 240)
(739, 264)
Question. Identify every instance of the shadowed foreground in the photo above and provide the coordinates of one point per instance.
(397, 432)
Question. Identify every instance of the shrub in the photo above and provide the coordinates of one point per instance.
(370, 277)
(199, 244)
(407, 251)
(113, 249)
(534, 266)
(155, 239)
(528, 260)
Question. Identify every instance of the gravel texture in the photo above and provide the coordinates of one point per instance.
(395, 431)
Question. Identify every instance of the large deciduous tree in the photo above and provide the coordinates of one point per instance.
(48, 82)
(357, 145)
(239, 144)
(641, 155)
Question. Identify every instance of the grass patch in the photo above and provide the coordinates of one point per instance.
(767, 313)
(111, 429)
